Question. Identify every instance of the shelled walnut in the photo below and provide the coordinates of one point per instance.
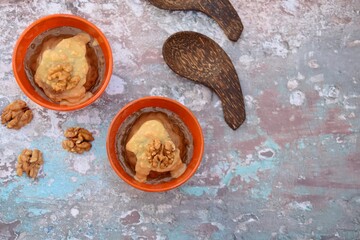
(16, 115)
(60, 78)
(160, 155)
(78, 140)
(29, 161)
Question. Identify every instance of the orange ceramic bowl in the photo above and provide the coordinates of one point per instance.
(185, 115)
(51, 22)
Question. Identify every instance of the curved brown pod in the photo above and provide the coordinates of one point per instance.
(198, 58)
(220, 10)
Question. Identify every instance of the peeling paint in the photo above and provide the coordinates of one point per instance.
(289, 172)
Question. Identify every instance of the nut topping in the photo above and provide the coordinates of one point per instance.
(60, 78)
(160, 155)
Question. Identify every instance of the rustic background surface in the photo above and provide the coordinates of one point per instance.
(292, 171)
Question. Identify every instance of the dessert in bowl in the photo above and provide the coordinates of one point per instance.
(62, 62)
(155, 144)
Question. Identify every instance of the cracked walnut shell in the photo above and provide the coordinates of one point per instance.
(29, 161)
(16, 115)
(78, 140)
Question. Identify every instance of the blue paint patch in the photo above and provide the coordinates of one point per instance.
(198, 191)
(262, 192)
(301, 144)
(24, 189)
(179, 233)
(250, 235)
(271, 144)
(227, 178)
(37, 211)
(222, 235)
(234, 155)
(99, 146)
(48, 229)
(6, 192)
(249, 173)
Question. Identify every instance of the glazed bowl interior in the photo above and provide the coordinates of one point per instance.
(51, 22)
(188, 119)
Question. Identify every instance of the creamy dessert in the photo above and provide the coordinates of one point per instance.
(154, 151)
(156, 146)
(65, 67)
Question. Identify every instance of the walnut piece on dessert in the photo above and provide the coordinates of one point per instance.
(78, 140)
(60, 78)
(154, 151)
(29, 161)
(62, 68)
(16, 115)
(160, 155)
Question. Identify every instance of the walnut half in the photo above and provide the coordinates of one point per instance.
(160, 155)
(78, 140)
(29, 161)
(60, 78)
(16, 115)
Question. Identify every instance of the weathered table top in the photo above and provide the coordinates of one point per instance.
(292, 171)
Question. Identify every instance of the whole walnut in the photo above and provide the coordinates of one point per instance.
(29, 161)
(78, 140)
(16, 115)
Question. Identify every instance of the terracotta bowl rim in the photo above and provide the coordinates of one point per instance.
(162, 187)
(58, 107)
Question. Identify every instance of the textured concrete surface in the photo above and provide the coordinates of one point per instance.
(292, 171)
